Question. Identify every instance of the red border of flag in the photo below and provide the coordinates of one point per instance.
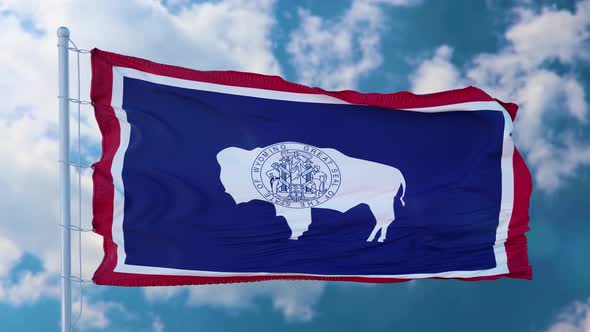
(103, 191)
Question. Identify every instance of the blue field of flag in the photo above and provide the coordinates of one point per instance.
(178, 214)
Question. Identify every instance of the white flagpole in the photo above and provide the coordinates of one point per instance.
(63, 37)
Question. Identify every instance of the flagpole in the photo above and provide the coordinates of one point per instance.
(63, 37)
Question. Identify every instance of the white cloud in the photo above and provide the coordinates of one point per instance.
(29, 288)
(96, 315)
(157, 325)
(335, 54)
(437, 73)
(521, 72)
(11, 254)
(162, 293)
(295, 300)
(576, 318)
(558, 34)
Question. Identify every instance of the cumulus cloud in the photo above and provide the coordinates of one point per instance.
(437, 73)
(157, 325)
(29, 288)
(576, 318)
(295, 300)
(335, 54)
(96, 314)
(163, 293)
(523, 72)
(11, 254)
(558, 34)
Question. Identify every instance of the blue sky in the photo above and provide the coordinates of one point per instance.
(534, 53)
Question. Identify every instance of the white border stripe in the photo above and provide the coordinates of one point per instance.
(117, 168)
(119, 73)
(288, 96)
(228, 89)
(469, 106)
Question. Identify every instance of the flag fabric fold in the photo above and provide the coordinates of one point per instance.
(225, 176)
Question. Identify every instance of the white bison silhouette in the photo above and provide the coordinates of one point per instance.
(352, 182)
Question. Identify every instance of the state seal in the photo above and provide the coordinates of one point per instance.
(295, 175)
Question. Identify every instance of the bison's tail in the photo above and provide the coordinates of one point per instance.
(401, 198)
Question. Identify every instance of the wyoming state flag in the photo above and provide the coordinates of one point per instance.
(223, 176)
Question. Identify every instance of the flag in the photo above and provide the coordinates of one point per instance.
(224, 176)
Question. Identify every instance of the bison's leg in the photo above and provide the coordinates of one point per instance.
(384, 214)
(373, 233)
(384, 231)
(297, 219)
